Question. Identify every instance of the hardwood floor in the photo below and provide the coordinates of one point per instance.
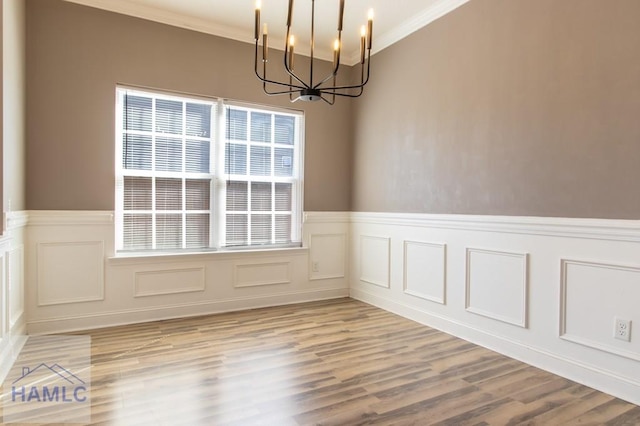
(339, 362)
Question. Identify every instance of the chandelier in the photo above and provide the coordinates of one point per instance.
(324, 88)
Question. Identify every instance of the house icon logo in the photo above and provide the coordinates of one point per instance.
(47, 384)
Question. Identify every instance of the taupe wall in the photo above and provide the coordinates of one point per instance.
(76, 56)
(13, 105)
(528, 107)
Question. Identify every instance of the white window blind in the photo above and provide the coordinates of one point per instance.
(173, 193)
(261, 176)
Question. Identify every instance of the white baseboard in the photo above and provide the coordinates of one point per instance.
(605, 381)
(133, 316)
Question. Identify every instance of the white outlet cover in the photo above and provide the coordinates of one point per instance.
(622, 329)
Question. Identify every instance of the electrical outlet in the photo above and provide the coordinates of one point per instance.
(622, 329)
(315, 267)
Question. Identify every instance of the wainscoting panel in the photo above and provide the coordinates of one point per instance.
(327, 256)
(15, 284)
(508, 287)
(4, 305)
(12, 289)
(256, 274)
(594, 294)
(425, 270)
(169, 281)
(496, 285)
(70, 272)
(79, 282)
(375, 260)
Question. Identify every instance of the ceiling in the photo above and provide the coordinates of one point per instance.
(234, 19)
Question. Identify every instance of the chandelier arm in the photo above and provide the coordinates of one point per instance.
(346, 95)
(330, 102)
(266, 80)
(283, 92)
(290, 71)
(335, 68)
(287, 65)
(363, 82)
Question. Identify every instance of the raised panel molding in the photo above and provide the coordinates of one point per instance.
(496, 285)
(328, 252)
(70, 272)
(375, 260)
(256, 274)
(4, 304)
(15, 284)
(592, 294)
(169, 281)
(425, 270)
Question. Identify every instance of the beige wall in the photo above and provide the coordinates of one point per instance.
(76, 56)
(13, 105)
(528, 107)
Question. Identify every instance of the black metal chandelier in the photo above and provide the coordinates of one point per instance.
(326, 88)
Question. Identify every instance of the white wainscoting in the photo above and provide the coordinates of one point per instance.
(542, 290)
(184, 279)
(255, 274)
(12, 290)
(424, 274)
(374, 260)
(15, 284)
(592, 295)
(496, 285)
(76, 281)
(327, 253)
(77, 264)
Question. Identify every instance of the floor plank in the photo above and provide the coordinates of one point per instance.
(339, 362)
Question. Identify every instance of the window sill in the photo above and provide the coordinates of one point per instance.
(134, 258)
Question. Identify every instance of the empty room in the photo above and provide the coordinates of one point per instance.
(320, 212)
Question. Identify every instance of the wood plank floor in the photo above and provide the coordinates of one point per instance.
(339, 362)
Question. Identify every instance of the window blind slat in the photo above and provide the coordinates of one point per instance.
(169, 116)
(137, 193)
(285, 129)
(261, 197)
(237, 196)
(168, 154)
(137, 113)
(168, 231)
(198, 194)
(260, 228)
(168, 194)
(198, 156)
(260, 127)
(136, 152)
(260, 161)
(198, 120)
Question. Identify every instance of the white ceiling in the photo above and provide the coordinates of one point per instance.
(234, 19)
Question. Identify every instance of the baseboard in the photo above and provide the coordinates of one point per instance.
(132, 316)
(10, 348)
(588, 375)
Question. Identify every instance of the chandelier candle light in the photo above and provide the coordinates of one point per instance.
(311, 90)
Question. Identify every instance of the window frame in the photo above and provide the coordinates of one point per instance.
(217, 175)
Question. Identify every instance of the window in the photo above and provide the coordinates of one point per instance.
(197, 174)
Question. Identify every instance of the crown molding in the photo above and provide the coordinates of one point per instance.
(170, 18)
(418, 21)
(382, 40)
